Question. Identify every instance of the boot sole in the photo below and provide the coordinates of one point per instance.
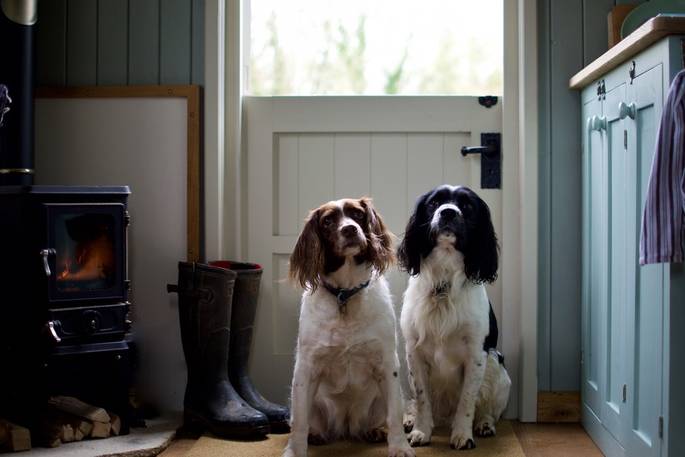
(279, 427)
(198, 423)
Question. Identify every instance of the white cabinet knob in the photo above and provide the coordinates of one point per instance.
(597, 123)
(626, 110)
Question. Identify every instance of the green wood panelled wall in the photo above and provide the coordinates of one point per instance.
(572, 33)
(119, 42)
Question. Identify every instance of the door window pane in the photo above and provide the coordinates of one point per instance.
(375, 47)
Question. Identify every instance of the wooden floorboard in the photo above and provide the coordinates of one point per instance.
(178, 448)
(537, 440)
(555, 440)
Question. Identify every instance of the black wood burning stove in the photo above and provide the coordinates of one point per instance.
(64, 289)
(64, 295)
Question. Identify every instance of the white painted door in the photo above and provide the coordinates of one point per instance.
(304, 151)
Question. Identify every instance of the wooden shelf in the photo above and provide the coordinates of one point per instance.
(648, 33)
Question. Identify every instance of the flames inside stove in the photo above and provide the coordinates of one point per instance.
(85, 256)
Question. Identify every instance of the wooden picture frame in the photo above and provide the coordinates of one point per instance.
(192, 95)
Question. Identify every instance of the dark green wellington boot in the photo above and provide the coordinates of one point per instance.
(245, 298)
(205, 296)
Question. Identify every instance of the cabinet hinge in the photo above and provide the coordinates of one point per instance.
(582, 358)
(661, 426)
(625, 393)
(625, 139)
(601, 90)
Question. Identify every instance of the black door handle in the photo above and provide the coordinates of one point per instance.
(466, 150)
(490, 159)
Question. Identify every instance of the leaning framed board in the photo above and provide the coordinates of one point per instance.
(148, 138)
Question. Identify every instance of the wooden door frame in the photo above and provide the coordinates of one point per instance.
(224, 170)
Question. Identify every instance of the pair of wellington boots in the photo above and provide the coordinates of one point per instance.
(217, 305)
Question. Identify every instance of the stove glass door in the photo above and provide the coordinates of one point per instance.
(89, 254)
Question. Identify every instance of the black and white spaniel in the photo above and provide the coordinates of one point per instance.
(456, 375)
(346, 379)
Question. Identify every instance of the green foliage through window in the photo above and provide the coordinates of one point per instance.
(373, 47)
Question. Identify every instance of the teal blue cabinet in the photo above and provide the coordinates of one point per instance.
(632, 363)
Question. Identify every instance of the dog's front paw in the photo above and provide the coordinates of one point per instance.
(295, 451)
(418, 438)
(401, 451)
(408, 422)
(485, 429)
(462, 441)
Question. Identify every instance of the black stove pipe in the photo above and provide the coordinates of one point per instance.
(17, 28)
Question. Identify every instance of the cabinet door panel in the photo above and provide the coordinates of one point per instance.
(645, 323)
(621, 249)
(594, 258)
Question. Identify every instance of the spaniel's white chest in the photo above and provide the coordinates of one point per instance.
(342, 368)
(446, 356)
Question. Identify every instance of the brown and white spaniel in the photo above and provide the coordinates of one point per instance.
(346, 380)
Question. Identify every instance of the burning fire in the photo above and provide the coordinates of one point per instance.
(93, 260)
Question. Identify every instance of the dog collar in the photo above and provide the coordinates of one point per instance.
(344, 295)
(442, 288)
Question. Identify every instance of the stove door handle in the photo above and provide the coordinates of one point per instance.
(52, 330)
(45, 253)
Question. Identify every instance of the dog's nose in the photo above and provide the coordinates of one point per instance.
(448, 213)
(349, 231)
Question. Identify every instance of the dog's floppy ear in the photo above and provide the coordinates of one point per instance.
(481, 251)
(307, 260)
(415, 239)
(380, 250)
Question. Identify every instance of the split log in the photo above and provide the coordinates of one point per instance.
(78, 435)
(55, 424)
(14, 437)
(85, 428)
(68, 434)
(76, 407)
(116, 424)
(80, 426)
(101, 430)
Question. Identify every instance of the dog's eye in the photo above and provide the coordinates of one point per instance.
(358, 215)
(327, 221)
(433, 204)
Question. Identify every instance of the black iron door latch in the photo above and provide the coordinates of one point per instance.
(490, 159)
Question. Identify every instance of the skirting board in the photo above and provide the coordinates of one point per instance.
(559, 406)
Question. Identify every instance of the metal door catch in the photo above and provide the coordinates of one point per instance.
(487, 101)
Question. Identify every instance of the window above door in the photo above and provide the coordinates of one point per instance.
(379, 47)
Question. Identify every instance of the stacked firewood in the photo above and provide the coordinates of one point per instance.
(69, 419)
(65, 419)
